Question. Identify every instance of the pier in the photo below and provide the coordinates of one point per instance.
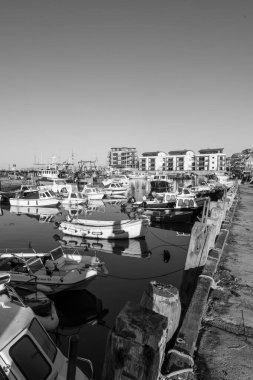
(207, 335)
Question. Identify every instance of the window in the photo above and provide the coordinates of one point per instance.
(43, 339)
(29, 359)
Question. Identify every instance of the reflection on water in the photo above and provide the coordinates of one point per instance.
(161, 257)
(78, 307)
(126, 247)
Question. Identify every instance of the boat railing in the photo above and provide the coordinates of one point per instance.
(15, 298)
(73, 358)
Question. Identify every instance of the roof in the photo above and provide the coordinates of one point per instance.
(146, 154)
(210, 150)
(178, 152)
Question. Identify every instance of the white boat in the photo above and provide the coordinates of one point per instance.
(60, 186)
(35, 197)
(73, 199)
(225, 180)
(29, 270)
(121, 179)
(49, 173)
(104, 229)
(42, 306)
(93, 193)
(26, 349)
(114, 189)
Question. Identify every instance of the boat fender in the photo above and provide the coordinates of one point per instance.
(44, 288)
(50, 322)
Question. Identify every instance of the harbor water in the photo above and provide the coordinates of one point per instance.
(131, 265)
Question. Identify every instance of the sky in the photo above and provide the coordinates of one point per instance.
(78, 77)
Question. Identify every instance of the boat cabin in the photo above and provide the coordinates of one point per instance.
(35, 194)
(160, 186)
(26, 350)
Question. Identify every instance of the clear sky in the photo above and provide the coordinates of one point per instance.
(84, 76)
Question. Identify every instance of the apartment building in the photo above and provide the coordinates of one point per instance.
(176, 160)
(123, 157)
(210, 160)
(179, 160)
(152, 161)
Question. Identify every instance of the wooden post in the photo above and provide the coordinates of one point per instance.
(136, 345)
(209, 244)
(163, 299)
(179, 359)
(216, 218)
(197, 241)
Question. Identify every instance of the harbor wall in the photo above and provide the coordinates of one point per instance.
(156, 338)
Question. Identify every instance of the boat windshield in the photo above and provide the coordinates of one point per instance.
(56, 253)
(34, 264)
(43, 339)
(31, 357)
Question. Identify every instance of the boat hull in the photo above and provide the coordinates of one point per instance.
(126, 229)
(34, 202)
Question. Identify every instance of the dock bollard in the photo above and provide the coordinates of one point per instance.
(136, 345)
(163, 299)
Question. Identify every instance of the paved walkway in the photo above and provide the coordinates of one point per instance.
(226, 345)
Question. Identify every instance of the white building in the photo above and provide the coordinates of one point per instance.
(210, 160)
(179, 160)
(152, 161)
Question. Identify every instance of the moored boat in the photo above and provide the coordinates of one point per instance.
(73, 198)
(66, 270)
(42, 306)
(113, 189)
(35, 197)
(93, 193)
(26, 349)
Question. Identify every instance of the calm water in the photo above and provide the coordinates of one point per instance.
(131, 265)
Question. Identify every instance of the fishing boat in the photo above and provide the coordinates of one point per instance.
(49, 173)
(35, 197)
(31, 270)
(61, 186)
(104, 229)
(171, 216)
(73, 198)
(121, 179)
(93, 193)
(113, 189)
(26, 349)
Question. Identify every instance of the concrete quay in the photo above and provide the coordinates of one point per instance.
(225, 346)
(210, 335)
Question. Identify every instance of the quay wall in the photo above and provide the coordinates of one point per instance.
(156, 339)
